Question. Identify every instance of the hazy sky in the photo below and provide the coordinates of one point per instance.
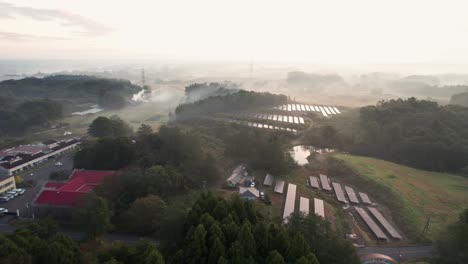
(347, 32)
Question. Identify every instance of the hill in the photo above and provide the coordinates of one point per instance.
(420, 193)
(459, 99)
(109, 93)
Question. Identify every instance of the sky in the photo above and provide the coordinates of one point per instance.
(312, 31)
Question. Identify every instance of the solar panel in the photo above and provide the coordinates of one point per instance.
(387, 226)
(365, 198)
(313, 181)
(290, 202)
(308, 108)
(336, 110)
(268, 180)
(290, 119)
(317, 109)
(319, 208)
(325, 184)
(304, 205)
(296, 120)
(326, 110)
(289, 107)
(275, 117)
(339, 192)
(323, 111)
(351, 194)
(331, 110)
(279, 186)
(301, 120)
(371, 224)
(303, 108)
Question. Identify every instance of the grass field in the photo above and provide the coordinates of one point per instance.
(422, 193)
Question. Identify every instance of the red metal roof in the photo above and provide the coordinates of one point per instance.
(68, 194)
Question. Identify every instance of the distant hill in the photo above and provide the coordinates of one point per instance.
(459, 99)
(109, 93)
(315, 82)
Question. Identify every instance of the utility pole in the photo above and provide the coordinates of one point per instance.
(426, 227)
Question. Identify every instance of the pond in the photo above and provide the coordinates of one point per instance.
(300, 154)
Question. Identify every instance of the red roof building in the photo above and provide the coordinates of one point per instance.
(67, 194)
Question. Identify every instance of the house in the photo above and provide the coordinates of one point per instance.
(249, 193)
(238, 177)
(56, 197)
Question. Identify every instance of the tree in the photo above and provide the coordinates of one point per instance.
(93, 215)
(309, 259)
(297, 248)
(145, 214)
(101, 127)
(452, 244)
(196, 251)
(144, 130)
(275, 258)
(105, 154)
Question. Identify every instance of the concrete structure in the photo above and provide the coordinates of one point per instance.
(249, 193)
(7, 183)
(18, 159)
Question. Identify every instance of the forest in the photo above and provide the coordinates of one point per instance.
(417, 133)
(239, 101)
(72, 89)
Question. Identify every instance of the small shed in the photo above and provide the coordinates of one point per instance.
(268, 180)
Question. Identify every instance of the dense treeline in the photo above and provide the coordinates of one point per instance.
(199, 91)
(40, 243)
(103, 127)
(413, 132)
(16, 118)
(452, 244)
(109, 93)
(234, 231)
(241, 100)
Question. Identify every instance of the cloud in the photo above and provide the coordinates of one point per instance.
(11, 36)
(88, 27)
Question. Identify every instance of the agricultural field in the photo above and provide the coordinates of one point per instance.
(422, 194)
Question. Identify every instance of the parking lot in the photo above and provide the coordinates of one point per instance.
(39, 175)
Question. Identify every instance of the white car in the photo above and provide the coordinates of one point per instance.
(3, 210)
(12, 193)
(58, 163)
(19, 191)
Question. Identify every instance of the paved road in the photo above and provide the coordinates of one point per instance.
(40, 175)
(400, 253)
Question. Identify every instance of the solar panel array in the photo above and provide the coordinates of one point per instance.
(319, 209)
(314, 182)
(351, 194)
(371, 224)
(339, 192)
(279, 187)
(365, 198)
(393, 233)
(324, 110)
(325, 184)
(304, 205)
(290, 202)
(273, 117)
(268, 180)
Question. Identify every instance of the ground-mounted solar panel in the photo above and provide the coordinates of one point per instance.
(303, 109)
(289, 107)
(275, 117)
(290, 202)
(296, 120)
(290, 119)
(351, 195)
(304, 205)
(325, 183)
(307, 108)
(317, 109)
(331, 110)
(250, 124)
(327, 110)
(336, 110)
(323, 111)
(365, 198)
(339, 192)
(386, 225)
(268, 180)
(319, 208)
(371, 224)
(293, 107)
(301, 120)
(313, 181)
(279, 186)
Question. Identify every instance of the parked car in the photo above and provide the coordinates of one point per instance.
(58, 163)
(3, 210)
(262, 195)
(12, 193)
(4, 198)
(19, 191)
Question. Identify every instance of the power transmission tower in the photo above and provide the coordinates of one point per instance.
(143, 80)
(426, 227)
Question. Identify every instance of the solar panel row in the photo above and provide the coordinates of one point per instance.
(279, 187)
(325, 183)
(351, 194)
(304, 205)
(313, 181)
(371, 224)
(387, 226)
(365, 198)
(339, 192)
(319, 208)
(290, 202)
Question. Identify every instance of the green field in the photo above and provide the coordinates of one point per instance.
(422, 193)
